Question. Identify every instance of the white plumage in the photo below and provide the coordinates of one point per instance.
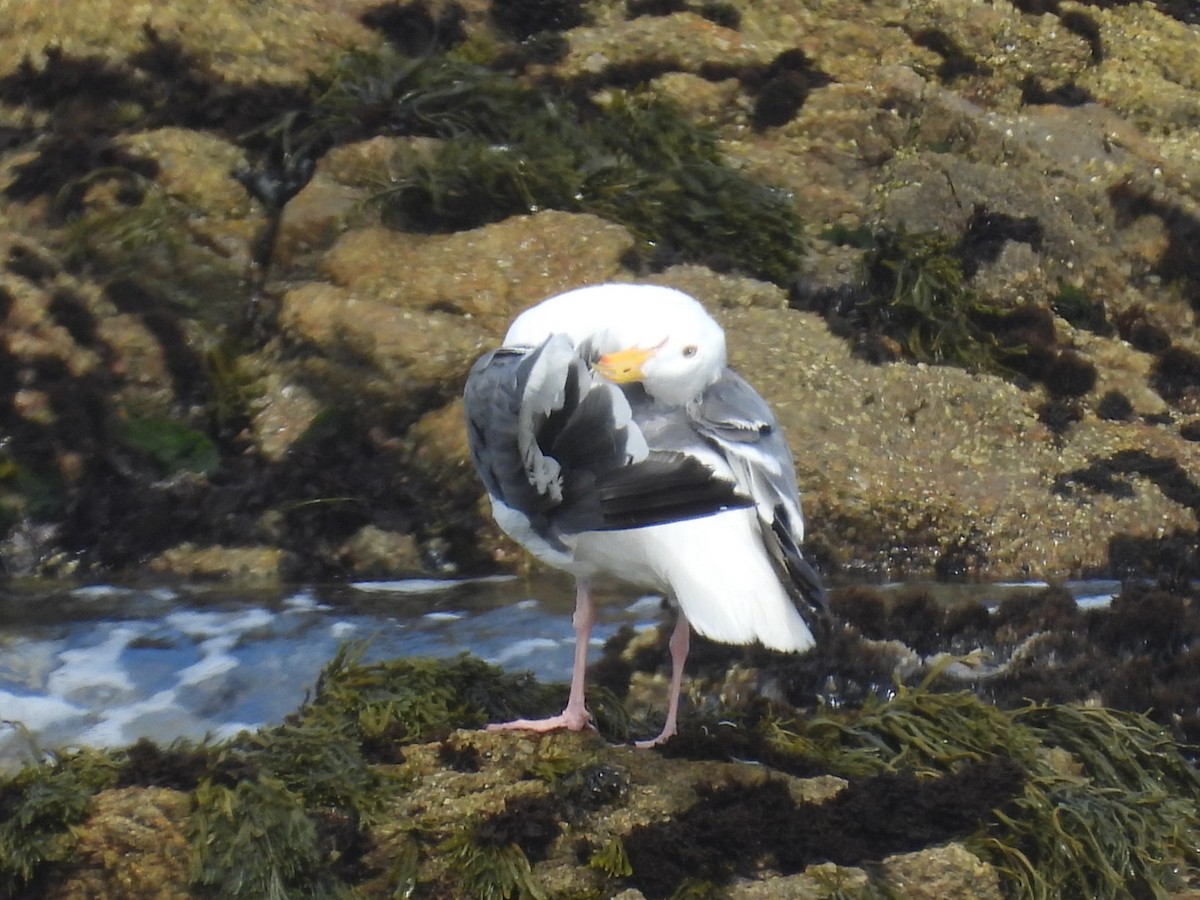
(614, 442)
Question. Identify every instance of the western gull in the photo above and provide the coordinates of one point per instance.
(614, 442)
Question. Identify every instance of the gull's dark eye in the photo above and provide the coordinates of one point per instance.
(690, 350)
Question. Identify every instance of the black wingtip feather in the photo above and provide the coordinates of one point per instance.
(808, 589)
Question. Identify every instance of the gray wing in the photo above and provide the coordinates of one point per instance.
(560, 447)
(737, 422)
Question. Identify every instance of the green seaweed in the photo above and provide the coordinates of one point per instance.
(404, 870)
(514, 147)
(39, 808)
(233, 390)
(489, 872)
(386, 705)
(611, 859)
(1128, 822)
(552, 763)
(37, 811)
(1108, 806)
(860, 236)
(324, 769)
(123, 236)
(696, 889)
(837, 884)
(1077, 306)
(917, 294)
(173, 446)
(255, 840)
(39, 494)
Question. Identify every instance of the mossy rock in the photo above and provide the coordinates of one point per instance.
(351, 796)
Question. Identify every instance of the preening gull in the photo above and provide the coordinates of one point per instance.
(614, 442)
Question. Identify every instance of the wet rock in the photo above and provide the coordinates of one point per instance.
(340, 196)
(189, 562)
(284, 410)
(314, 218)
(374, 553)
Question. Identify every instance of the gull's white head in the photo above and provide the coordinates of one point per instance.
(644, 333)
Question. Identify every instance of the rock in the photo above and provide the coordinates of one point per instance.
(284, 410)
(818, 882)
(270, 45)
(681, 41)
(132, 845)
(198, 170)
(404, 353)
(722, 291)
(127, 242)
(314, 218)
(879, 462)
(341, 196)
(186, 562)
(445, 484)
(949, 871)
(489, 273)
(375, 553)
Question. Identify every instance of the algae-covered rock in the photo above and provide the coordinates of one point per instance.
(131, 844)
(380, 783)
(953, 245)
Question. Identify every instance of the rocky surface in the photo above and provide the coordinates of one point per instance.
(135, 840)
(383, 784)
(300, 358)
(249, 251)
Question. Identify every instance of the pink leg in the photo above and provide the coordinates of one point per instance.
(680, 640)
(575, 717)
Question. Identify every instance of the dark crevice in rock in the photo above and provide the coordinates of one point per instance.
(1110, 476)
(1035, 93)
(781, 88)
(413, 30)
(986, 233)
(956, 62)
(1180, 261)
(735, 828)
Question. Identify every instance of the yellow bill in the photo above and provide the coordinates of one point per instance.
(625, 366)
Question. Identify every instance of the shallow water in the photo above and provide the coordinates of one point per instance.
(104, 665)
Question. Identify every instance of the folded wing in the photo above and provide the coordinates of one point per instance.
(740, 426)
(563, 448)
